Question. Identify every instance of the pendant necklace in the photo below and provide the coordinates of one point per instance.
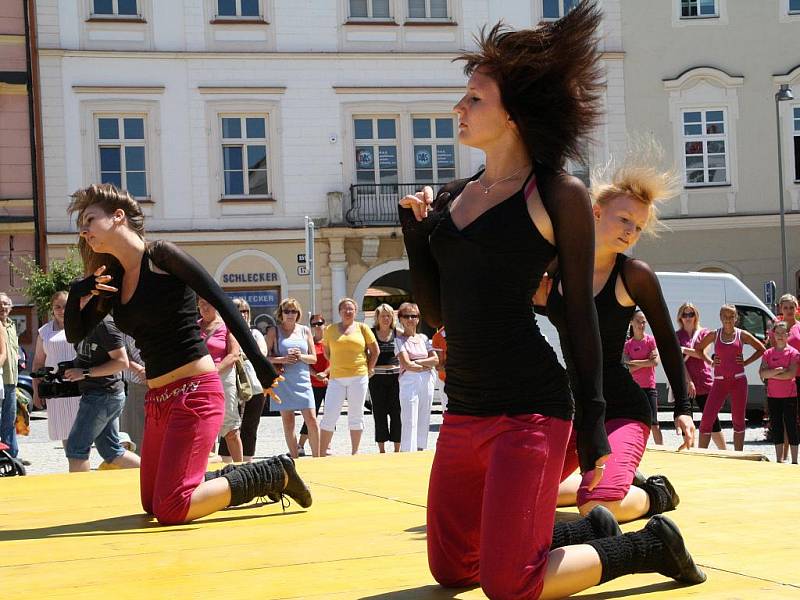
(487, 189)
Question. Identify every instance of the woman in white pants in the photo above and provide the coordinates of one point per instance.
(352, 350)
(417, 362)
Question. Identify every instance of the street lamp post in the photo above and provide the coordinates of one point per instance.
(782, 95)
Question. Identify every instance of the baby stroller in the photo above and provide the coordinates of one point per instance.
(9, 466)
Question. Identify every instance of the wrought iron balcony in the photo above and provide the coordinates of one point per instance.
(375, 204)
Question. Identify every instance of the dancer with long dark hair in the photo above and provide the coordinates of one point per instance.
(625, 205)
(532, 96)
(150, 289)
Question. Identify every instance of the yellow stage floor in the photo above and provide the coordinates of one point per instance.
(84, 536)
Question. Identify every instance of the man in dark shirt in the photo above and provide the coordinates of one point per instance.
(100, 359)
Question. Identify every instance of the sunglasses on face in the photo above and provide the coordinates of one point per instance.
(409, 316)
(688, 315)
(291, 311)
(318, 323)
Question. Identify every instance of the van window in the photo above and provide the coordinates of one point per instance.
(755, 321)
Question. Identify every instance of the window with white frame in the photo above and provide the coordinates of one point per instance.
(555, 9)
(115, 8)
(244, 155)
(121, 152)
(370, 9)
(434, 148)
(693, 9)
(237, 9)
(705, 147)
(376, 149)
(427, 9)
(796, 138)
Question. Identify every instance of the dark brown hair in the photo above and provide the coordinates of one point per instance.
(109, 198)
(549, 79)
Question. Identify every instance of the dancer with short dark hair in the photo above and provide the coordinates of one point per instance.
(532, 97)
(150, 288)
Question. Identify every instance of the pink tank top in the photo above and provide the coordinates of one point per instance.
(794, 336)
(699, 370)
(217, 343)
(727, 353)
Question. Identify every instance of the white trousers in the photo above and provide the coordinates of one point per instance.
(355, 390)
(416, 397)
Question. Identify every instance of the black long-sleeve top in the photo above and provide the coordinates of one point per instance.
(478, 282)
(161, 316)
(624, 398)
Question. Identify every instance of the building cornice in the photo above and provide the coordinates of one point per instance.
(161, 55)
(241, 89)
(411, 89)
(701, 73)
(118, 89)
(728, 222)
(789, 77)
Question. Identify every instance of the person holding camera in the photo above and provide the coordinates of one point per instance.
(99, 361)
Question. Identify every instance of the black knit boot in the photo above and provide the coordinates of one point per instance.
(271, 477)
(658, 548)
(274, 497)
(599, 523)
(215, 474)
(663, 497)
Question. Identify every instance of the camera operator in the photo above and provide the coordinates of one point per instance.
(100, 359)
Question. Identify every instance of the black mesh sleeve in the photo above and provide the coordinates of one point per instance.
(168, 257)
(570, 211)
(78, 323)
(643, 286)
(422, 266)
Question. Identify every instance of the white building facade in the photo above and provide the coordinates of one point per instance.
(701, 75)
(230, 120)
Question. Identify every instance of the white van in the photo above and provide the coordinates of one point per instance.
(707, 291)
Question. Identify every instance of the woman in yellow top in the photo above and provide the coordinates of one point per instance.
(352, 350)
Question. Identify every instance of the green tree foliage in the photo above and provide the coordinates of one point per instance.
(40, 285)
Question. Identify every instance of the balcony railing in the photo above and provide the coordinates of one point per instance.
(375, 204)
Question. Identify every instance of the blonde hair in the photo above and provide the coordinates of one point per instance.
(406, 305)
(639, 177)
(788, 298)
(385, 308)
(729, 308)
(288, 303)
(343, 300)
(683, 307)
(108, 198)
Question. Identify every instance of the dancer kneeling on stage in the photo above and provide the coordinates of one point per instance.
(150, 288)
(624, 207)
(532, 96)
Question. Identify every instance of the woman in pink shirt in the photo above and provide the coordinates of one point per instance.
(729, 376)
(698, 365)
(641, 358)
(779, 369)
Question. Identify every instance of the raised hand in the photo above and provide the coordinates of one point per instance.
(420, 202)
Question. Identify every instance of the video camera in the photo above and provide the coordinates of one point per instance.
(52, 384)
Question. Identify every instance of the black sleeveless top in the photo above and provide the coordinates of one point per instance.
(498, 362)
(162, 317)
(624, 398)
(386, 356)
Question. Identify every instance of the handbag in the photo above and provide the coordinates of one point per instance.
(244, 389)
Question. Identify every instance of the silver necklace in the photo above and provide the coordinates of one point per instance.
(487, 189)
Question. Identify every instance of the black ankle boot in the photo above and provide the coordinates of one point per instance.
(639, 478)
(663, 497)
(295, 488)
(658, 548)
(599, 523)
(255, 480)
